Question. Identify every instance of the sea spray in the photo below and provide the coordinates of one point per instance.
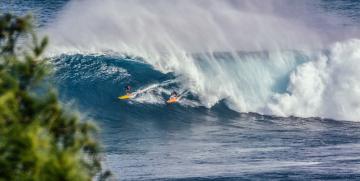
(252, 55)
(327, 87)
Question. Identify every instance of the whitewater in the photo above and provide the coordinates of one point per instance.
(255, 55)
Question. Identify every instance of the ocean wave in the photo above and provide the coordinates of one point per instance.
(254, 61)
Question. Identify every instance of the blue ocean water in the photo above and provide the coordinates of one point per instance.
(174, 142)
(146, 139)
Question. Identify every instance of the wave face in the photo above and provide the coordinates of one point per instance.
(256, 56)
(281, 83)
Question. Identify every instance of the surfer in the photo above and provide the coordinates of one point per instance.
(128, 89)
(174, 94)
(173, 97)
(128, 94)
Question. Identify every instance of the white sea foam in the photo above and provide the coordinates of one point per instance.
(305, 81)
(327, 87)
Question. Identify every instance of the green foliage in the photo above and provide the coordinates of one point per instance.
(38, 139)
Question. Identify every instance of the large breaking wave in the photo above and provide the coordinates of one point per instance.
(254, 55)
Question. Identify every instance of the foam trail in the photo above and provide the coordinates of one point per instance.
(151, 94)
(153, 87)
(207, 44)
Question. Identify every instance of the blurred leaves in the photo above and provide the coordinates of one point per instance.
(38, 139)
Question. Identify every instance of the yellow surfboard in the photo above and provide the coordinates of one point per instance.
(127, 96)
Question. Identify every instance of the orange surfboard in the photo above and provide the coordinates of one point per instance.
(172, 100)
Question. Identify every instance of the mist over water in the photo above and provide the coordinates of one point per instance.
(160, 26)
(286, 72)
(271, 57)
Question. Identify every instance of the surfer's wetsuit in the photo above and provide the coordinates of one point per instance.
(174, 94)
(127, 89)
